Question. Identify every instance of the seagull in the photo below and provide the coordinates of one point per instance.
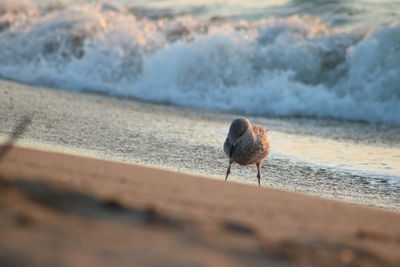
(246, 144)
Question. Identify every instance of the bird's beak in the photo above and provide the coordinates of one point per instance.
(233, 142)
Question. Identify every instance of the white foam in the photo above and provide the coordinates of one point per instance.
(297, 66)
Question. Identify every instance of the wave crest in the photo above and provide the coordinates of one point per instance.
(296, 66)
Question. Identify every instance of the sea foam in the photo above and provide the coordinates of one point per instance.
(294, 66)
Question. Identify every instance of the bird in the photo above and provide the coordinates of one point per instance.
(246, 144)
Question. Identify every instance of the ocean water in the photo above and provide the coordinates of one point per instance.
(336, 62)
(324, 59)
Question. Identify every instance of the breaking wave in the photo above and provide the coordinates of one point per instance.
(293, 66)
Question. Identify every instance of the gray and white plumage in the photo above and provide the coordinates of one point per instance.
(246, 144)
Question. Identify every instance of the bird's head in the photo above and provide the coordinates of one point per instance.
(238, 127)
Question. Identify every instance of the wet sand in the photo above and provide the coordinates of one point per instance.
(190, 140)
(62, 210)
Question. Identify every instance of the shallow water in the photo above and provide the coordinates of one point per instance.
(361, 159)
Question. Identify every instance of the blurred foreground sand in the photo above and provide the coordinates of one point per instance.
(63, 210)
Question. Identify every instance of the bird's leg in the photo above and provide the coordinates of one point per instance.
(258, 173)
(228, 171)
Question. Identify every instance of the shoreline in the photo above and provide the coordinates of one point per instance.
(178, 138)
(51, 198)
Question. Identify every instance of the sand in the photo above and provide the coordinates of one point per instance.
(61, 210)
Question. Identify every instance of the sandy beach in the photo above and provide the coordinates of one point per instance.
(84, 186)
(62, 210)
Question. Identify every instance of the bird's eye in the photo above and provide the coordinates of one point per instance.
(242, 132)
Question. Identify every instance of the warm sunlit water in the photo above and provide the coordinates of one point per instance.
(358, 158)
(347, 14)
